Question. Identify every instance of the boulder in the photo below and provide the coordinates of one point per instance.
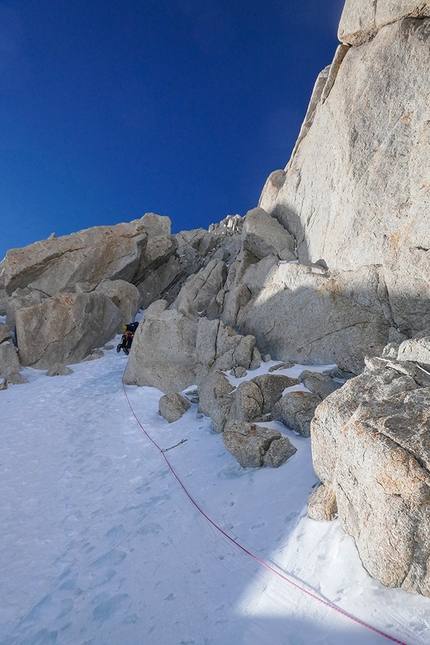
(320, 384)
(124, 295)
(173, 406)
(322, 503)
(254, 446)
(271, 387)
(263, 235)
(92, 255)
(361, 19)
(20, 299)
(238, 372)
(248, 402)
(296, 410)
(59, 369)
(163, 353)
(371, 446)
(251, 400)
(65, 328)
(175, 349)
(9, 362)
(306, 314)
(15, 378)
(216, 398)
(157, 225)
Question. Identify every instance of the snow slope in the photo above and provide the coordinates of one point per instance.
(100, 545)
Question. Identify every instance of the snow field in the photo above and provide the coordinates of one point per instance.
(99, 543)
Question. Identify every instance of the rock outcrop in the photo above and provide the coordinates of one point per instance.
(124, 295)
(202, 288)
(56, 265)
(175, 349)
(65, 328)
(356, 190)
(132, 264)
(263, 235)
(362, 19)
(21, 298)
(307, 314)
(370, 446)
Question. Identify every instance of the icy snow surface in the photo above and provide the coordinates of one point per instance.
(101, 546)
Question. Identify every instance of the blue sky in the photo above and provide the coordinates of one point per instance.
(112, 109)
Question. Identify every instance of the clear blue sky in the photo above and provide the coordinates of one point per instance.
(182, 107)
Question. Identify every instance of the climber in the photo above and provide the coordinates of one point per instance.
(127, 337)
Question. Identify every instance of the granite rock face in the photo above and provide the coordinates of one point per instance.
(361, 19)
(201, 288)
(18, 300)
(55, 265)
(263, 235)
(307, 314)
(124, 295)
(356, 190)
(65, 328)
(415, 349)
(371, 450)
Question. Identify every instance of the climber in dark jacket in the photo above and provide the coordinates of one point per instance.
(127, 337)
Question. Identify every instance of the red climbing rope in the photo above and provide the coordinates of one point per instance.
(254, 557)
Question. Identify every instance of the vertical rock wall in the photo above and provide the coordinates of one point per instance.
(356, 191)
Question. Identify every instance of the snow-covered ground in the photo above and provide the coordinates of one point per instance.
(100, 545)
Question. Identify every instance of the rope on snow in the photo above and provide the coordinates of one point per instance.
(324, 602)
